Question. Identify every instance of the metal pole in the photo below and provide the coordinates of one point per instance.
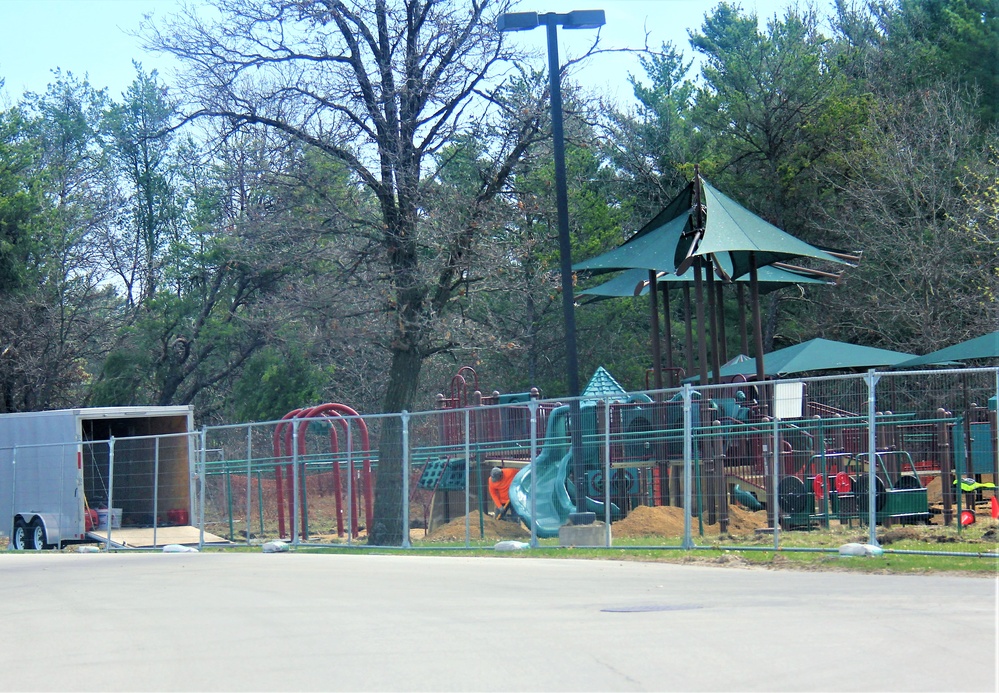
(994, 425)
(156, 485)
(657, 357)
(201, 487)
(351, 517)
(713, 320)
(872, 380)
(533, 408)
(110, 487)
(720, 312)
(702, 345)
(294, 482)
(667, 324)
(689, 329)
(405, 479)
(565, 256)
(468, 476)
(249, 478)
(260, 501)
(743, 335)
(775, 479)
(607, 472)
(754, 297)
(688, 457)
(13, 489)
(228, 497)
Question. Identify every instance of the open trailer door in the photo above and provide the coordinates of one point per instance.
(155, 537)
(138, 476)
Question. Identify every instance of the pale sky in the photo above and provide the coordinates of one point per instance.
(91, 37)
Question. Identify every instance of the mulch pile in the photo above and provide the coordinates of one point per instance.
(492, 528)
(642, 521)
(667, 521)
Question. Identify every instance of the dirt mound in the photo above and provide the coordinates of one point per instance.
(667, 521)
(491, 529)
(933, 492)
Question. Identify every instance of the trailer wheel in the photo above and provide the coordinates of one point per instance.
(19, 537)
(36, 535)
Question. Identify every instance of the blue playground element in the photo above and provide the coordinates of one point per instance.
(556, 494)
(551, 467)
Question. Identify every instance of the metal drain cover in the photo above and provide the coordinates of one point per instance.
(651, 607)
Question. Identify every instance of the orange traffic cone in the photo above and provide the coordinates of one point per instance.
(995, 508)
(967, 518)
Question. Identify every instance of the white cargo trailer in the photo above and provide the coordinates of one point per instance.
(130, 467)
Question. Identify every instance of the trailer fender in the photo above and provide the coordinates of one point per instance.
(48, 521)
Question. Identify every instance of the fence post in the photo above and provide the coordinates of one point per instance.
(532, 406)
(110, 487)
(249, 478)
(201, 486)
(294, 481)
(405, 480)
(775, 481)
(13, 492)
(721, 486)
(994, 428)
(156, 485)
(688, 455)
(607, 472)
(468, 477)
(871, 378)
(943, 452)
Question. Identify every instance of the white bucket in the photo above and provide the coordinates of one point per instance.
(102, 518)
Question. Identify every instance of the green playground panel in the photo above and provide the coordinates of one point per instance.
(444, 474)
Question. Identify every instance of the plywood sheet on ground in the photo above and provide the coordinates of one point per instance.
(142, 537)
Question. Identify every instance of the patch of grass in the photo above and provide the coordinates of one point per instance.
(799, 550)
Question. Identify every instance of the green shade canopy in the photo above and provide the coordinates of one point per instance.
(731, 235)
(652, 250)
(733, 231)
(703, 227)
(770, 279)
(984, 347)
(818, 355)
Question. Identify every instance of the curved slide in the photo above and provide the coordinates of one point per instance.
(552, 465)
(553, 504)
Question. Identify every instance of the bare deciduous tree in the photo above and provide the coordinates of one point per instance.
(379, 86)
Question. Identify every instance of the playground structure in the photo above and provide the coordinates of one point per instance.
(336, 416)
(822, 465)
(637, 450)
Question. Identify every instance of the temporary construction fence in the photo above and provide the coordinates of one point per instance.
(756, 463)
(135, 491)
(673, 468)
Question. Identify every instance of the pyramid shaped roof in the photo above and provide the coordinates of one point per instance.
(603, 385)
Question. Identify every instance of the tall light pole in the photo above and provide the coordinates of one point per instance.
(577, 19)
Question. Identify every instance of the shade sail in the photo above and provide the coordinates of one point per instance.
(984, 347)
(701, 227)
(652, 250)
(732, 231)
(818, 355)
(731, 235)
(770, 279)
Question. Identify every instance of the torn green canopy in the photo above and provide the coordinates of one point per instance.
(770, 279)
(652, 249)
(731, 231)
(730, 236)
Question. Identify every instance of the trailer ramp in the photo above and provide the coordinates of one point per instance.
(143, 537)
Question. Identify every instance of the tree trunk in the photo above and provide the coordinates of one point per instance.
(404, 376)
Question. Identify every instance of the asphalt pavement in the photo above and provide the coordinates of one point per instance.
(307, 622)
